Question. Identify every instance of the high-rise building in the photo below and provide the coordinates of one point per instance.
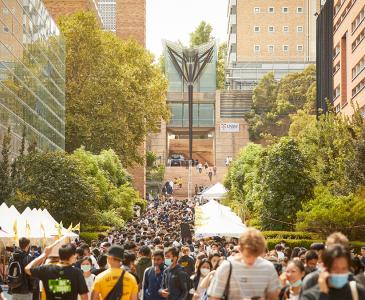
(32, 75)
(344, 59)
(269, 36)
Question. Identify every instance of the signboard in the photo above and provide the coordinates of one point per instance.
(230, 127)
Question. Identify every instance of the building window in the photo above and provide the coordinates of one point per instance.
(338, 108)
(286, 28)
(336, 92)
(299, 48)
(271, 10)
(358, 20)
(285, 48)
(257, 28)
(257, 48)
(271, 28)
(358, 39)
(336, 51)
(271, 48)
(256, 10)
(336, 68)
(299, 28)
(285, 10)
(357, 89)
(5, 28)
(299, 10)
(360, 66)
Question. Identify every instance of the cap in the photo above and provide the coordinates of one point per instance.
(116, 252)
(317, 246)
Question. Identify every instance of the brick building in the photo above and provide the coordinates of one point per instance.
(344, 59)
(265, 36)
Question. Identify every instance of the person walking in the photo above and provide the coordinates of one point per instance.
(248, 275)
(152, 278)
(20, 284)
(174, 284)
(85, 266)
(180, 182)
(210, 175)
(115, 283)
(143, 262)
(215, 170)
(60, 281)
(200, 168)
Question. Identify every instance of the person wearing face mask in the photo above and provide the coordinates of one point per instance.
(204, 268)
(293, 276)
(174, 284)
(86, 266)
(335, 281)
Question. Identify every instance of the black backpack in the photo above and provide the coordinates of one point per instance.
(16, 276)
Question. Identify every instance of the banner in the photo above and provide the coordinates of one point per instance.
(230, 127)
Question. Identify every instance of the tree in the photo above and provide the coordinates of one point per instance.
(57, 182)
(115, 95)
(282, 183)
(5, 181)
(201, 35)
(274, 102)
(222, 52)
(327, 213)
(335, 149)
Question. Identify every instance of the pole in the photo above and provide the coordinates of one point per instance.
(190, 89)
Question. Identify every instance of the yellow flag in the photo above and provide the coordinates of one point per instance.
(59, 229)
(27, 229)
(15, 229)
(69, 228)
(76, 228)
(44, 236)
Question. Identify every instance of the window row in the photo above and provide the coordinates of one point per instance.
(343, 15)
(336, 92)
(360, 66)
(358, 39)
(271, 28)
(336, 68)
(338, 6)
(284, 10)
(358, 20)
(357, 89)
(271, 48)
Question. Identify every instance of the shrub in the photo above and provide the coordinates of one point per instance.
(95, 228)
(289, 235)
(90, 236)
(271, 243)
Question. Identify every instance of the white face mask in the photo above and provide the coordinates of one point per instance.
(85, 268)
(204, 272)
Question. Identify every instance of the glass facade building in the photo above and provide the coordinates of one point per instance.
(32, 74)
(204, 92)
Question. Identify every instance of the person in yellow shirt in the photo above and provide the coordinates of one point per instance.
(115, 283)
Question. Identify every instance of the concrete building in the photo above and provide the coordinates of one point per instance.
(269, 36)
(219, 129)
(32, 75)
(344, 60)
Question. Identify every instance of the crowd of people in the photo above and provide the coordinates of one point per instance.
(156, 257)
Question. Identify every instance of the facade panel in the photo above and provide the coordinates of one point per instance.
(32, 68)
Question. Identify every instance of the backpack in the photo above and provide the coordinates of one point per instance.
(16, 274)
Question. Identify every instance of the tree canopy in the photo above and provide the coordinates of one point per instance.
(201, 35)
(115, 95)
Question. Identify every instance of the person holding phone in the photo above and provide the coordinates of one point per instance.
(152, 277)
(293, 276)
(335, 281)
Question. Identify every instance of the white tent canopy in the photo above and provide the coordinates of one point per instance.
(217, 191)
(214, 219)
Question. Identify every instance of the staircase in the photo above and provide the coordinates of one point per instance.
(197, 178)
(234, 104)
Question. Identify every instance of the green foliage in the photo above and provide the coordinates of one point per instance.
(282, 183)
(115, 94)
(5, 182)
(289, 235)
(151, 158)
(57, 182)
(327, 213)
(222, 52)
(271, 243)
(201, 35)
(273, 102)
(156, 174)
(91, 236)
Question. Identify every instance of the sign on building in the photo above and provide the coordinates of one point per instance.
(230, 127)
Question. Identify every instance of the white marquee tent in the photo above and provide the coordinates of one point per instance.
(214, 219)
(217, 191)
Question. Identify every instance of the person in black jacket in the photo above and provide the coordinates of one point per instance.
(175, 280)
(335, 280)
(186, 261)
(21, 255)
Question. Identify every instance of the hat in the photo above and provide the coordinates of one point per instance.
(116, 252)
(317, 246)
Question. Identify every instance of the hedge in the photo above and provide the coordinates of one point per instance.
(290, 235)
(90, 236)
(97, 228)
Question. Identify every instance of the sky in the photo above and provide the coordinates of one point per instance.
(175, 19)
